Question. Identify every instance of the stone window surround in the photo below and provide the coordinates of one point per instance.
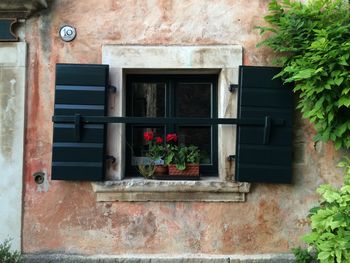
(123, 59)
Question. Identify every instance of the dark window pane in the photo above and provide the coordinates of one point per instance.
(148, 99)
(139, 145)
(193, 100)
(199, 136)
(184, 96)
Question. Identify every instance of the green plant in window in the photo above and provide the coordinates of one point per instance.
(193, 154)
(180, 155)
(312, 39)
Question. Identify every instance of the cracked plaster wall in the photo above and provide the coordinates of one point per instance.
(65, 217)
(12, 91)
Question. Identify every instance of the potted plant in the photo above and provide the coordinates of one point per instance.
(182, 160)
(156, 151)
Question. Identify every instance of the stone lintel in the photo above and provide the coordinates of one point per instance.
(173, 56)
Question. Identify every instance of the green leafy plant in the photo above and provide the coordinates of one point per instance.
(192, 154)
(303, 255)
(8, 256)
(330, 222)
(312, 39)
(180, 155)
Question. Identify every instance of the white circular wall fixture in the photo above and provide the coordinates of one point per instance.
(67, 33)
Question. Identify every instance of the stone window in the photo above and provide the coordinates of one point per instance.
(222, 61)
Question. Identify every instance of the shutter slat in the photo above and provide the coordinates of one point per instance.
(72, 172)
(254, 173)
(264, 155)
(256, 77)
(65, 132)
(254, 135)
(80, 89)
(272, 98)
(259, 96)
(261, 112)
(77, 152)
(81, 75)
(88, 95)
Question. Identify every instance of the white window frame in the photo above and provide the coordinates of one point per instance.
(223, 60)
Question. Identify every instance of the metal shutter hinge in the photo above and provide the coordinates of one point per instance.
(233, 87)
(231, 158)
(111, 158)
(112, 89)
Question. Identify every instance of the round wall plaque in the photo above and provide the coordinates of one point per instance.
(67, 33)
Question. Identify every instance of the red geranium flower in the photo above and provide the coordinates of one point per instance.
(148, 135)
(159, 140)
(171, 137)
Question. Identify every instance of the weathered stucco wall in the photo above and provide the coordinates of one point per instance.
(12, 93)
(65, 217)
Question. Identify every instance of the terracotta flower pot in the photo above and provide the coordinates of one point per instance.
(161, 170)
(192, 169)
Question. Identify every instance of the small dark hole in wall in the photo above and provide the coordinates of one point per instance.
(39, 177)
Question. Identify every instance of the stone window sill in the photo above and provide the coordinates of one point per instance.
(209, 189)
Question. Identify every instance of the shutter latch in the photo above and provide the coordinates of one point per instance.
(267, 130)
(77, 126)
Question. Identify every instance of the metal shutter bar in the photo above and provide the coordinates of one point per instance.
(149, 120)
(79, 120)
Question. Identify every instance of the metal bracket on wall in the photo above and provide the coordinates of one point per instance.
(6, 33)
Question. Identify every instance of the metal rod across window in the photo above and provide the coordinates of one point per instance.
(78, 120)
(149, 120)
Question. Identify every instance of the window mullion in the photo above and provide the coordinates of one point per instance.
(171, 105)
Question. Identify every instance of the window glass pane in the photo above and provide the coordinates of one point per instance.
(148, 100)
(199, 136)
(139, 145)
(193, 100)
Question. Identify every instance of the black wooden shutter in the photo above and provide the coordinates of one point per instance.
(78, 152)
(264, 154)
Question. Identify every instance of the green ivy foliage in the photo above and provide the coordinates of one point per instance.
(330, 222)
(313, 43)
